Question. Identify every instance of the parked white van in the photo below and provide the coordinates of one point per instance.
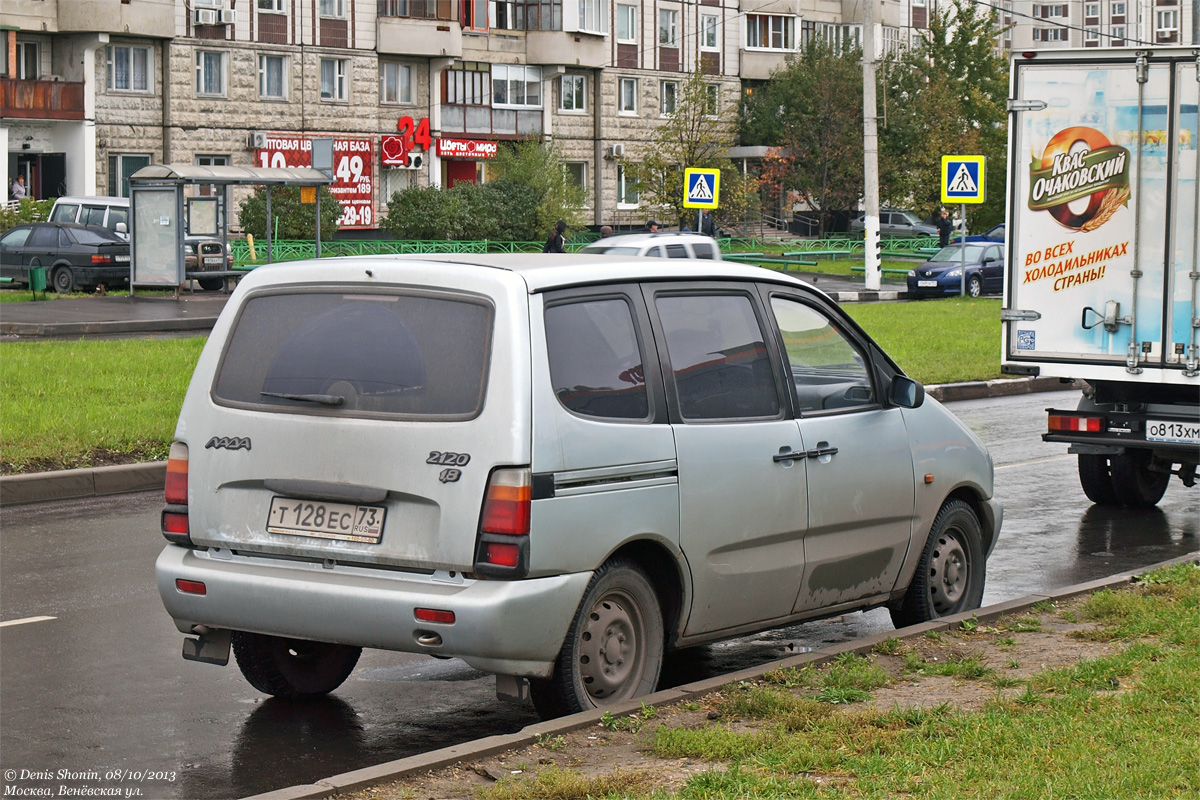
(109, 212)
(554, 467)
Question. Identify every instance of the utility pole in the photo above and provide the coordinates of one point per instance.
(870, 152)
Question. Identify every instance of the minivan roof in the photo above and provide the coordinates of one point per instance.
(94, 200)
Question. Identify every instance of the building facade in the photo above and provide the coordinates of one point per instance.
(413, 92)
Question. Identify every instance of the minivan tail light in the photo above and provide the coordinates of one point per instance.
(507, 503)
(175, 524)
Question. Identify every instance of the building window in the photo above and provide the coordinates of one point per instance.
(1118, 34)
(668, 92)
(516, 85)
(1118, 9)
(1048, 11)
(27, 60)
(575, 172)
(1049, 35)
(712, 99)
(210, 73)
(627, 194)
(468, 84)
(593, 16)
(332, 8)
(543, 15)
(1091, 9)
(708, 32)
(333, 79)
(627, 24)
(419, 9)
(668, 27)
(475, 15)
(1166, 21)
(1091, 35)
(627, 101)
(506, 15)
(270, 5)
(272, 77)
(573, 93)
(120, 167)
(128, 69)
(395, 83)
(770, 32)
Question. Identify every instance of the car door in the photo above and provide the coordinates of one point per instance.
(742, 508)
(40, 248)
(859, 466)
(993, 271)
(12, 253)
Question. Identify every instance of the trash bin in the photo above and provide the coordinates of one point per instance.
(37, 280)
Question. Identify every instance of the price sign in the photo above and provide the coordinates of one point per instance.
(353, 162)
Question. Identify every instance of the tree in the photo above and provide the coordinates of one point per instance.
(540, 167)
(695, 136)
(810, 111)
(290, 218)
(946, 97)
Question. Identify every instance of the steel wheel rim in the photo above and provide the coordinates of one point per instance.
(610, 652)
(949, 572)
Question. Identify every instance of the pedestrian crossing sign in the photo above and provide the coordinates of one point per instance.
(963, 179)
(701, 188)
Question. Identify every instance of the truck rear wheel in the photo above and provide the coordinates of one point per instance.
(1134, 483)
(1095, 476)
(293, 667)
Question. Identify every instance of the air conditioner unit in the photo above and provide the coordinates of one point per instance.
(257, 140)
(616, 150)
(415, 160)
(206, 16)
(228, 16)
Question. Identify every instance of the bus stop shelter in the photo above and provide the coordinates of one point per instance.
(162, 218)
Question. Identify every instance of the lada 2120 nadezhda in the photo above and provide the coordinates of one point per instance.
(553, 467)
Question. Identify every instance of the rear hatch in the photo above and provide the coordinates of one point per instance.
(358, 419)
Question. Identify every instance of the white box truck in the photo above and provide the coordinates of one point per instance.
(1103, 236)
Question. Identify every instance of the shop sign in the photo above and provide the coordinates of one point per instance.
(353, 161)
(466, 148)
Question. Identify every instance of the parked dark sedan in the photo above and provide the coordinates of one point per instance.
(73, 255)
(943, 273)
(994, 234)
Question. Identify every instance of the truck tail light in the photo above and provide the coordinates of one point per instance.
(503, 545)
(1076, 423)
(175, 525)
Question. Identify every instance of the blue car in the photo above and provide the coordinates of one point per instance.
(994, 234)
(942, 275)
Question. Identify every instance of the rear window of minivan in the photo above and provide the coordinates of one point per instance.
(358, 354)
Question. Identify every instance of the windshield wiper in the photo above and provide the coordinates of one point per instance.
(323, 399)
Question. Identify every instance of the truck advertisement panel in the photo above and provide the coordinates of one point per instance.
(353, 163)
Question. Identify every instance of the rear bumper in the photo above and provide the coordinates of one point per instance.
(507, 627)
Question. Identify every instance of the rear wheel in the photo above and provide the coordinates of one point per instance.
(950, 574)
(64, 280)
(1134, 483)
(614, 649)
(211, 284)
(293, 667)
(974, 286)
(1095, 476)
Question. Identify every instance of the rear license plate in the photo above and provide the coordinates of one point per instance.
(215, 260)
(1182, 432)
(120, 258)
(341, 521)
(927, 284)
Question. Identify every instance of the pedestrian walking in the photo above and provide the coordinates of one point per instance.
(944, 225)
(556, 243)
(652, 226)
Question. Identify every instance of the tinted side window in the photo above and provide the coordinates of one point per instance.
(333, 353)
(64, 212)
(677, 251)
(656, 252)
(827, 369)
(116, 215)
(95, 236)
(718, 357)
(595, 362)
(703, 250)
(43, 236)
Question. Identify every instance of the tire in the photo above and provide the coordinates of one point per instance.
(1133, 483)
(950, 575)
(63, 280)
(614, 648)
(211, 284)
(1095, 476)
(293, 668)
(974, 286)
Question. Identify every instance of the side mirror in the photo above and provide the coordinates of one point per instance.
(906, 392)
(121, 227)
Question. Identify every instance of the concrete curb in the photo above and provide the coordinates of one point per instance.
(39, 487)
(485, 748)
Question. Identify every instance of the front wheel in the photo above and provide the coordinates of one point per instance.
(293, 667)
(950, 575)
(64, 280)
(614, 649)
(1134, 483)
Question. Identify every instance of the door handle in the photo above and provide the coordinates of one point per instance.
(797, 454)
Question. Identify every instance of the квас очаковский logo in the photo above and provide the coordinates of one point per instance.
(1080, 163)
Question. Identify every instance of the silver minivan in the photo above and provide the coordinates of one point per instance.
(554, 467)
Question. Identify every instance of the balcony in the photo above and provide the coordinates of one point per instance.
(40, 99)
(757, 65)
(137, 18)
(566, 48)
(488, 122)
(418, 28)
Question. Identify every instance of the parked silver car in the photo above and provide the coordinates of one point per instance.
(554, 467)
(897, 223)
(657, 245)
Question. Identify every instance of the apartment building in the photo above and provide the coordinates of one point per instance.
(1097, 23)
(413, 92)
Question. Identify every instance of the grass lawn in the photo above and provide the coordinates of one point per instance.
(95, 402)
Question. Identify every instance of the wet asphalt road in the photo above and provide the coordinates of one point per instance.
(101, 686)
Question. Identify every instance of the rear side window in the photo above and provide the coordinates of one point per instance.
(43, 236)
(595, 361)
(64, 212)
(718, 357)
(677, 251)
(412, 355)
(703, 249)
(92, 215)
